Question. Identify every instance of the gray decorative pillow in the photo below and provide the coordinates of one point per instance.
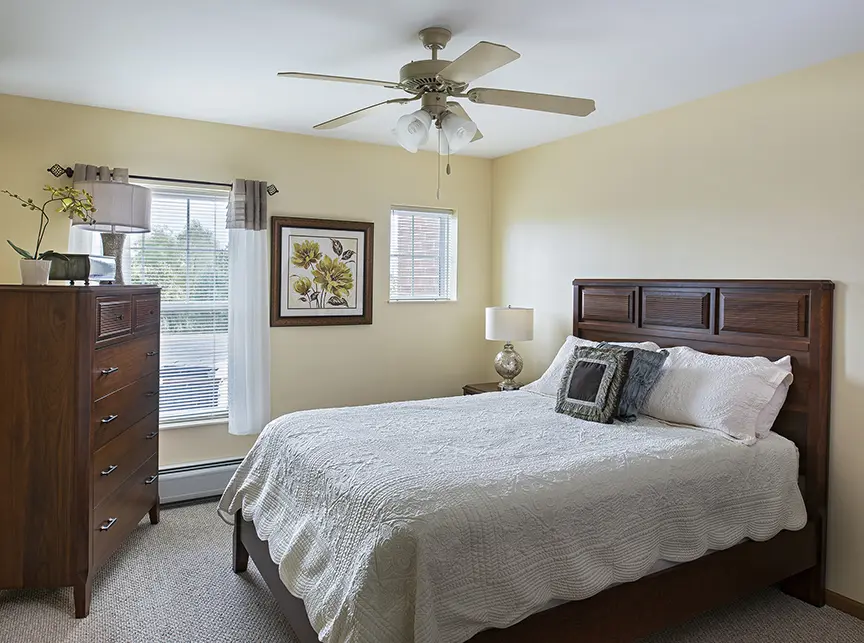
(591, 386)
(645, 368)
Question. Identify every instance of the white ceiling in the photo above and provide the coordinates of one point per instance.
(216, 60)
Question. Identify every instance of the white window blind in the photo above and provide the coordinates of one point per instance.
(186, 253)
(422, 254)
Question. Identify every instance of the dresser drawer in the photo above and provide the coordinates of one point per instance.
(113, 317)
(115, 413)
(116, 366)
(113, 463)
(121, 512)
(145, 312)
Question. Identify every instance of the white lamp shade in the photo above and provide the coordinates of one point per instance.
(458, 131)
(510, 324)
(412, 130)
(121, 208)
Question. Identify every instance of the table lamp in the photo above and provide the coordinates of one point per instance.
(508, 325)
(121, 209)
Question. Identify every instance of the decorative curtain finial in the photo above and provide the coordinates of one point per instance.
(58, 170)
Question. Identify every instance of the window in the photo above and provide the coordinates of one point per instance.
(422, 254)
(186, 253)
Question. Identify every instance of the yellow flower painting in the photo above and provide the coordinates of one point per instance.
(322, 272)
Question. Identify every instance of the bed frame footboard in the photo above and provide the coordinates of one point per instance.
(623, 613)
(241, 554)
(246, 544)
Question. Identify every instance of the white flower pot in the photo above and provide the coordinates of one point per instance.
(34, 272)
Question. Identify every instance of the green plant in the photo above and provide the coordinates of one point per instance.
(75, 203)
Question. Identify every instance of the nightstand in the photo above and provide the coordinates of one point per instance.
(486, 387)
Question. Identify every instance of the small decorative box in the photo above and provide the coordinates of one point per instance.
(84, 268)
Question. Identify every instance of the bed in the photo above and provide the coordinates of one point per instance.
(447, 513)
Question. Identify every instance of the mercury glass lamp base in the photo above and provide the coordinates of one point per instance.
(508, 364)
(112, 246)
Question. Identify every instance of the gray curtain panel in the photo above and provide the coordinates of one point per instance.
(83, 172)
(247, 207)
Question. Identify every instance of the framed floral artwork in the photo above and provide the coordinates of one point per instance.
(320, 272)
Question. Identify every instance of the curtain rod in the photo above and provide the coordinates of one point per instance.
(58, 171)
(160, 178)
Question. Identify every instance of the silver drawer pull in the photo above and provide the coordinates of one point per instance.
(151, 394)
(108, 471)
(152, 353)
(105, 526)
(109, 419)
(151, 435)
(151, 479)
(108, 371)
(120, 317)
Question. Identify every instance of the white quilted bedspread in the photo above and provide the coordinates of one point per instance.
(429, 521)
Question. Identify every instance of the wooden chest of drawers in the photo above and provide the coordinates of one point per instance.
(79, 429)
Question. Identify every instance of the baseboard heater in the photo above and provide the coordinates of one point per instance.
(195, 481)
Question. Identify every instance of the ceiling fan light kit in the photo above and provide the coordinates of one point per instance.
(412, 130)
(458, 131)
(436, 82)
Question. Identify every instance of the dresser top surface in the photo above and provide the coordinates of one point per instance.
(107, 289)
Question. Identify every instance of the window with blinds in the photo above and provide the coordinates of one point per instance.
(186, 253)
(422, 254)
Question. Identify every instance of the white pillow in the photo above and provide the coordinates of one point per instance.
(768, 415)
(717, 391)
(549, 381)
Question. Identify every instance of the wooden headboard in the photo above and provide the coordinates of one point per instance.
(769, 318)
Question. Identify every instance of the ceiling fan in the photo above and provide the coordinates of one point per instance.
(435, 83)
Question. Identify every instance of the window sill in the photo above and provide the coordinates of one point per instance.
(192, 424)
(422, 301)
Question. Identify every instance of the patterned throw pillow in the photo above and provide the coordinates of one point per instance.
(592, 383)
(645, 368)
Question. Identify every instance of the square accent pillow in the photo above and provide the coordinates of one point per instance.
(547, 384)
(591, 386)
(645, 368)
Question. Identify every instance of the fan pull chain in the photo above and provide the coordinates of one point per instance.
(448, 160)
(438, 163)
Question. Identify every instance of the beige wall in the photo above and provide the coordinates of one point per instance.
(410, 351)
(762, 181)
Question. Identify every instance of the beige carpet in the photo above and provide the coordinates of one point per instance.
(173, 582)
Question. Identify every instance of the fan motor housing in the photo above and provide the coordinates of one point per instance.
(422, 76)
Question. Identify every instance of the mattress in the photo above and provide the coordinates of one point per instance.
(429, 521)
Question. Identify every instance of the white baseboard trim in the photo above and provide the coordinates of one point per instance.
(178, 484)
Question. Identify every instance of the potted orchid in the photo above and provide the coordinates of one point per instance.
(36, 267)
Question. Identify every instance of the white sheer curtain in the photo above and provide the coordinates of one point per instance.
(248, 309)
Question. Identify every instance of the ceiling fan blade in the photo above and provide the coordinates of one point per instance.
(339, 79)
(478, 61)
(457, 109)
(356, 115)
(529, 100)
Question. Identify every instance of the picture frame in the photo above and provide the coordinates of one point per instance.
(320, 272)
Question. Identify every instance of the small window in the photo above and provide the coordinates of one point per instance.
(422, 254)
(186, 253)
